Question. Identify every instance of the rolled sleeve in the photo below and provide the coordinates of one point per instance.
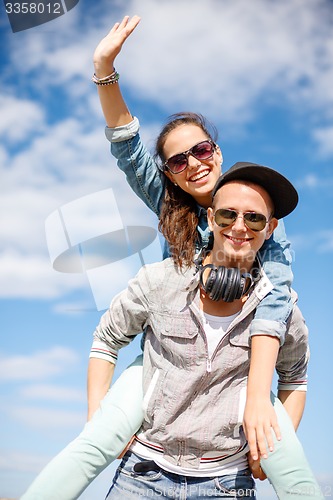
(124, 132)
(268, 327)
(277, 305)
(294, 355)
(102, 350)
(300, 385)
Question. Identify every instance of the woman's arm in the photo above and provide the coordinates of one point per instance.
(113, 105)
(122, 129)
(269, 323)
(259, 414)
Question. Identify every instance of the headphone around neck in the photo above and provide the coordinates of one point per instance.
(223, 283)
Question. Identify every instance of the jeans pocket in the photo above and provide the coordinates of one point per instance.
(140, 469)
(237, 485)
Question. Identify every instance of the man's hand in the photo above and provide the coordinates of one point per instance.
(256, 470)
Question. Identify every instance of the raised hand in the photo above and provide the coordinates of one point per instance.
(110, 46)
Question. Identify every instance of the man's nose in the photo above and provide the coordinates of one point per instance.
(239, 224)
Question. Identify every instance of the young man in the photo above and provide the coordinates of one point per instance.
(197, 355)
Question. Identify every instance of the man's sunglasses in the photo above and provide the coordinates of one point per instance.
(201, 151)
(225, 217)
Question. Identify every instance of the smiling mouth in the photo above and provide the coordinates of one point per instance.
(238, 241)
(199, 175)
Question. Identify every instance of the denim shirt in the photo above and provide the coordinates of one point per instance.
(182, 382)
(148, 182)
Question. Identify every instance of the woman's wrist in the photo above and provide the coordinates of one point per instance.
(103, 68)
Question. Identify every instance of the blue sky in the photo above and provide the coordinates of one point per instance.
(262, 71)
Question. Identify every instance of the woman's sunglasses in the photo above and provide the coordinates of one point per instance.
(201, 151)
(225, 217)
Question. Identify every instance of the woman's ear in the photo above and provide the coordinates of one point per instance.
(210, 218)
(170, 177)
(271, 226)
(219, 153)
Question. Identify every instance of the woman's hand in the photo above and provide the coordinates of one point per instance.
(259, 421)
(110, 46)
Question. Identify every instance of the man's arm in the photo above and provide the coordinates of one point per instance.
(100, 373)
(113, 105)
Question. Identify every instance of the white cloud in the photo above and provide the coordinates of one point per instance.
(324, 138)
(20, 118)
(39, 365)
(49, 392)
(320, 242)
(50, 419)
(242, 52)
(326, 241)
(60, 165)
(31, 275)
(314, 181)
(21, 461)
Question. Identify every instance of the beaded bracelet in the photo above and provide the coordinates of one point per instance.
(107, 80)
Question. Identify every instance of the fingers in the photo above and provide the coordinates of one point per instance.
(264, 439)
(252, 442)
(128, 24)
(276, 430)
(110, 46)
(260, 440)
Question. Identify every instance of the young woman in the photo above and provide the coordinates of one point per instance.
(190, 163)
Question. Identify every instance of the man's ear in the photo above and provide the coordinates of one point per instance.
(271, 226)
(210, 218)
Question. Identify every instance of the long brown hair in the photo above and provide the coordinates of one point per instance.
(178, 218)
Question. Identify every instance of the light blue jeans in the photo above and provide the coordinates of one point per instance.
(157, 483)
(120, 415)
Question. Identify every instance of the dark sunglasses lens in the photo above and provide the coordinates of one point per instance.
(255, 221)
(224, 217)
(203, 150)
(177, 163)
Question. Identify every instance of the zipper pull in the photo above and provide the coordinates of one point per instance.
(209, 365)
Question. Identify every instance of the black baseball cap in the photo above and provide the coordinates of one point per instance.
(281, 191)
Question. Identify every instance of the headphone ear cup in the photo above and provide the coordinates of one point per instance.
(224, 283)
(217, 292)
(233, 288)
(211, 278)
